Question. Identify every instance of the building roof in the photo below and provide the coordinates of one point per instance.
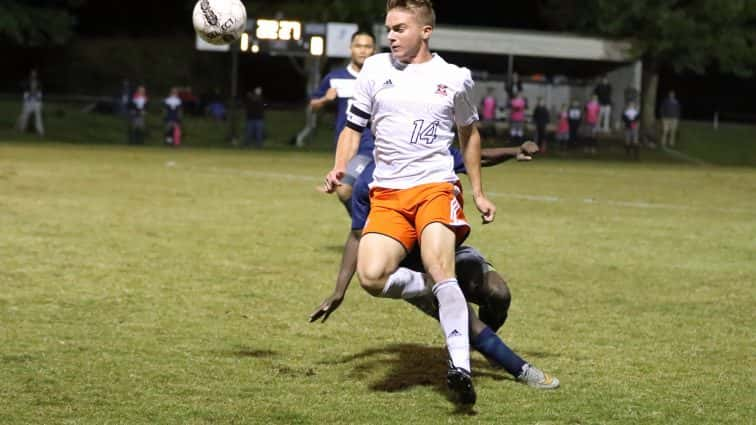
(497, 41)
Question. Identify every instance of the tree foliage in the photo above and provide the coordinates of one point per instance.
(684, 34)
(37, 22)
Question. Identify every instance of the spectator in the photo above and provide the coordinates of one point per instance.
(173, 107)
(670, 115)
(563, 128)
(541, 118)
(488, 113)
(488, 105)
(592, 113)
(121, 104)
(32, 105)
(254, 105)
(631, 118)
(215, 106)
(514, 86)
(604, 92)
(517, 118)
(189, 101)
(137, 113)
(575, 119)
(631, 95)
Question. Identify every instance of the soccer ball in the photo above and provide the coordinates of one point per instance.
(219, 21)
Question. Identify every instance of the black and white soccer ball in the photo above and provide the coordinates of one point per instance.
(219, 21)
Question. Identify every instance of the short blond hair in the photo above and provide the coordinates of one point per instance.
(423, 9)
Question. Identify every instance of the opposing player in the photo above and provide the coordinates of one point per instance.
(413, 99)
(338, 86)
(479, 281)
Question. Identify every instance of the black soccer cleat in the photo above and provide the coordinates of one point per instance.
(460, 383)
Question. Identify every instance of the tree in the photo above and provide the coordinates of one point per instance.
(693, 35)
(37, 22)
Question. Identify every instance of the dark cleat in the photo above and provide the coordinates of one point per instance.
(460, 383)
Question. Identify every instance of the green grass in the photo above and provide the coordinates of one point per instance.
(730, 144)
(156, 286)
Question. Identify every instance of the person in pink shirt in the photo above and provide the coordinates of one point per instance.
(517, 118)
(488, 114)
(592, 113)
(563, 128)
(488, 110)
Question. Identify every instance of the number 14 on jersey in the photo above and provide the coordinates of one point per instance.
(424, 133)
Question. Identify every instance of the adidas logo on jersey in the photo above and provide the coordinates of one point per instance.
(454, 333)
(388, 83)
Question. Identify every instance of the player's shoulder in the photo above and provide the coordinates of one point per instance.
(458, 74)
(338, 74)
(378, 61)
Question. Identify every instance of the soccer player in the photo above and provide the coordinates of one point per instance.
(413, 98)
(338, 86)
(479, 281)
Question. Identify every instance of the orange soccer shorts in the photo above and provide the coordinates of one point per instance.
(402, 214)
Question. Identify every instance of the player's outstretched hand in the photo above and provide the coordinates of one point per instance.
(328, 306)
(527, 150)
(487, 209)
(333, 180)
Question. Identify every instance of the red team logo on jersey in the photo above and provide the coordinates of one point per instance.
(441, 89)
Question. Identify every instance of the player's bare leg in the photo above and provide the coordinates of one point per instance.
(379, 272)
(495, 301)
(344, 192)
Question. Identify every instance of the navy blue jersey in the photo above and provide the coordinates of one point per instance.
(361, 191)
(343, 80)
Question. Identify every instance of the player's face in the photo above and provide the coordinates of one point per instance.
(362, 48)
(405, 34)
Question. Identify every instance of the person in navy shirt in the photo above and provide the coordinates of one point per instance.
(338, 87)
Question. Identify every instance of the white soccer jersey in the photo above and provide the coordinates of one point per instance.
(413, 109)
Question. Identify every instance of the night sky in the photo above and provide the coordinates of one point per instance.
(156, 17)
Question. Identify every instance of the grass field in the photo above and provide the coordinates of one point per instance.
(157, 286)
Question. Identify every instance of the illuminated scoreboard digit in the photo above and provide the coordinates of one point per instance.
(282, 36)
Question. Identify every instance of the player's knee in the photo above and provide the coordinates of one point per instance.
(498, 293)
(344, 192)
(372, 279)
(501, 298)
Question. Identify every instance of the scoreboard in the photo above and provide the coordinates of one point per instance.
(284, 37)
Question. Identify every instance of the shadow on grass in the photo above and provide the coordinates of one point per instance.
(242, 351)
(412, 365)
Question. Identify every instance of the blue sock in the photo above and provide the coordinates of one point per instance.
(490, 345)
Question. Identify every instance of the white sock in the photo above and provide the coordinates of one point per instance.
(452, 313)
(405, 284)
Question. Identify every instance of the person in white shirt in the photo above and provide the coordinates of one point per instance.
(631, 118)
(32, 106)
(412, 99)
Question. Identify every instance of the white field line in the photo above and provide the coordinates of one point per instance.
(680, 155)
(517, 196)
